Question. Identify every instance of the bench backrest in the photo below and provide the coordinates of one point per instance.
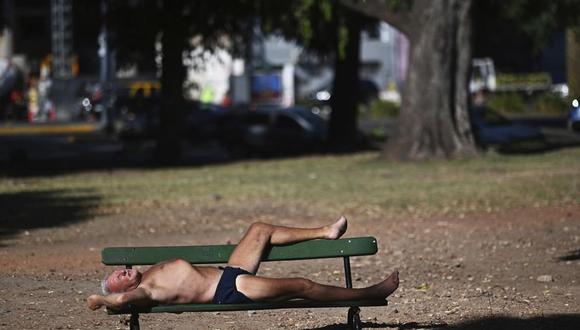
(215, 254)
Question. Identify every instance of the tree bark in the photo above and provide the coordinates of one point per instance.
(434, 121)
(342, 134)
(573, 60)
(168, 150)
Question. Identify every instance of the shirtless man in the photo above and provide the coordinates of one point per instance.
(179, 282)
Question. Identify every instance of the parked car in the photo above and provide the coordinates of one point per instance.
(205, 121)
(574, 116)
(491, 128)
(136, 116)
(12, 98)
(274, 130)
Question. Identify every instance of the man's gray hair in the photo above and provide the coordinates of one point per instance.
(104, 286)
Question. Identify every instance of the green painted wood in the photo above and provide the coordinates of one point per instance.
(299, 303)
(214, 254)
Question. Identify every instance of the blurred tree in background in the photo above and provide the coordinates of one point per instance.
(514, 33)
(323, 27)
(434, 120)
(174, 25)
(329, 30)
(573, 61)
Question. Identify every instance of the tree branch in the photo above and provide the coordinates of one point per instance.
(383, 10)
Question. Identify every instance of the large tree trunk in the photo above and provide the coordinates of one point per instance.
(345, 92)
(434, 121)
(172, 77)
(573, 60)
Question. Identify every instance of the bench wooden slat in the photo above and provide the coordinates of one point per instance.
(213, 254)
(298, 303)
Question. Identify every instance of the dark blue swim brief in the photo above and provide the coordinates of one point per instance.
(226, 291)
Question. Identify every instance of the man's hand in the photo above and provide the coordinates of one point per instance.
(95, 302)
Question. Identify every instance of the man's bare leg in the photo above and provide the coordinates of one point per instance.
(248, 252)
(267, 289)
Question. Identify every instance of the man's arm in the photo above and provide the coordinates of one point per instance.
(119, 300)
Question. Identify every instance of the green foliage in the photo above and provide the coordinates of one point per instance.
(524, 21)
(507, 103)
(137, 24)
(383, 109)
(378, 134)
(540, 78)
(342, 41)
(398, 5)
(549, 103)
(325, 8)
(378, 111)
(135, 27)
(318, 25)
(309, 22)
(514, 32)
(516, 104)
(301, 14)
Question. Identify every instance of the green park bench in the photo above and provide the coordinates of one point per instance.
(216, 254)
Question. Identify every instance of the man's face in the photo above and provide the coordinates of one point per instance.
(123, 280)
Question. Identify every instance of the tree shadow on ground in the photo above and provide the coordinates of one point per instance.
(44, 209)
(94, 157)
(108, 161)
(570, 256)
(370, 325)
(140, 158)
(553, 140)
(551, 322)
(533, 147)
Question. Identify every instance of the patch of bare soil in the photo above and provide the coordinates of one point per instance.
(514, 269)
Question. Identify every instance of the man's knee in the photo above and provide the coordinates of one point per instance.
(305, 285)
(260, 228)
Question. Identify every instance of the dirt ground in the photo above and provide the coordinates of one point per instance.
(514, 269)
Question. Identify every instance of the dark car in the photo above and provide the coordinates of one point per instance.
(12, 98)
(491, 128)
(136, 116)
(205, 121)
(274, 130)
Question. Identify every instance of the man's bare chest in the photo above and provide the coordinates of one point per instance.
(180, 282)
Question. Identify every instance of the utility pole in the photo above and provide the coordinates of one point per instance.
(62, 29)
(6, 39)
(107, 67)
(104, 44)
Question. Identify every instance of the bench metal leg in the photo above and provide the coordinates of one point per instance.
(347, 275)
(134, 322)
(354, 318)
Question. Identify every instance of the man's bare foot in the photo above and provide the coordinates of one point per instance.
(388, 286)
(337, 229)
